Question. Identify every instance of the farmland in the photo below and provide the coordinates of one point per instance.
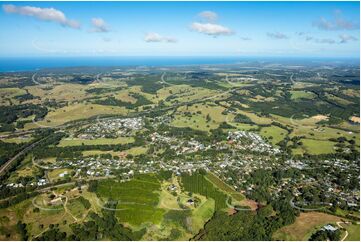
(304, 226)
(179, 153)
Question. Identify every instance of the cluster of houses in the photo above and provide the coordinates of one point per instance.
(244, 153)
(112, 128)
(178, 145)
(324, 181)
(244, 140)
(40, 182)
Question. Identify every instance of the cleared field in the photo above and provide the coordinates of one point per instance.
(301, 94)
(317, 147)
(55, 174)
(76, 208)
(338, 99)
(175, 90)
(274, 134)
(11, 92)
(202, 214)
(136, 150)
(75, 112)
(243, 126)
(124, 96)
(304, 226)
(17, 140)
(351, 92)
(100, 141)
(65, 92)
(353, 232)
(100, 152)
(255, 118)
(214, 111)
(197, 122)
(167, 200)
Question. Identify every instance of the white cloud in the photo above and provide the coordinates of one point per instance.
(45, 14)
(208, 16)
(337, 23)
(346, 38)
(209, 26)
(99, 25)
(277, 35)
(155, 37)
(211, 29)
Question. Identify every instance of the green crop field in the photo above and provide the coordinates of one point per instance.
(197, 183)
(138, 197)
(224, 187)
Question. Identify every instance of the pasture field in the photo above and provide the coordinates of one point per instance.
(60, 92)
(77, 208)
(55, 174)
(301, 94)
(274, 134)
(304, 226)
(317, 147)
(174, 90)
(75, 112)
(11, 92)
(256, 118)
(202, 214)
(100, 152)
(124, 96)
(17, 140)
(197, 122)
(338, 99)
(353, 232)
(100, 141)
(351, 92)
(136, 150)
(243, 126)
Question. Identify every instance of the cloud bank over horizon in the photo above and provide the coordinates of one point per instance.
(175, 29)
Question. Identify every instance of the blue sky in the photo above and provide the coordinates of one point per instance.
(304, 29)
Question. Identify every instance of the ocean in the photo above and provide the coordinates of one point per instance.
(15, 64)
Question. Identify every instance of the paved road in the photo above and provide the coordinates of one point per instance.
(16, 133)
(9, 162)
(322, 205)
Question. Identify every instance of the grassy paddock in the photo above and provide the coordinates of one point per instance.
(304, 226)
(100, 141)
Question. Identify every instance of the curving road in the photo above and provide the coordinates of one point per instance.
(340, 226)
(9, 162)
